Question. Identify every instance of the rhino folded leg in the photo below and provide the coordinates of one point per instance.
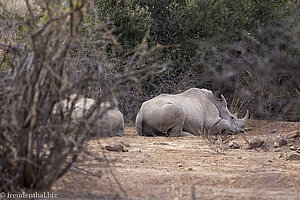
(175, 131)
(220, 127)
(184, 133)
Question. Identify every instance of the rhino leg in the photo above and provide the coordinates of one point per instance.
(176, 125)
(184, 133)
(222, 125)
(117, 132)
(175, 131)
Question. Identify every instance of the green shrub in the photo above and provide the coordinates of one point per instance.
(130, 21)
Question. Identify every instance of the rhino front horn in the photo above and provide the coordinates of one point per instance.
(245, 118)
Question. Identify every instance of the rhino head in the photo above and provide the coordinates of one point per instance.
(234, 125)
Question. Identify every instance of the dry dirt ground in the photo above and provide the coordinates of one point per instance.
(187, 168)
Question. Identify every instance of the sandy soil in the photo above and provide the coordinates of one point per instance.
(187, 168)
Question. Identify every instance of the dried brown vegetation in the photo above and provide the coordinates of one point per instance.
(37, 147)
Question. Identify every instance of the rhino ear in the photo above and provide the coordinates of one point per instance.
(218, 95)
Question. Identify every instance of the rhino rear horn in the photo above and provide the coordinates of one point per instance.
(245, 118)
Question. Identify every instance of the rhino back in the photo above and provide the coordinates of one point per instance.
(160, 109)
(200, 111)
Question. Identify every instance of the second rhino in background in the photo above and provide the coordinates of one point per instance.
(110, 122)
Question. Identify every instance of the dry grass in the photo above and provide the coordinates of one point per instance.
(17, 6)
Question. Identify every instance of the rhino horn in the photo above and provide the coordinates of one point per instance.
(245, 118)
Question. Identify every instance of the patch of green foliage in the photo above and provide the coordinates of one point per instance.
(130, 20)
(184, 23)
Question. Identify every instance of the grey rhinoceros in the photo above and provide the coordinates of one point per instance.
(187, 113)
(110, 123)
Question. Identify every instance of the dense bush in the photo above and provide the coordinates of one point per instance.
(185, 24)
(130, 21)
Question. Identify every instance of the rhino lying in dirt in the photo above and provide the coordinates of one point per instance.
(187, 113)
(110, 123)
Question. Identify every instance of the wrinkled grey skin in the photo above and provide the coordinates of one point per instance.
(187, 113)
(110, 124)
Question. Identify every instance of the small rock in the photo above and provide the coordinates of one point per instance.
(281, 155)
(255, 142)
(277, 150)
(293, 148)
(116, 147)
(189, 169)
(294, 134)
(234, 145)
(292, 139)
(273, 131)
(180, 165)
(160, 143)
(281, 140)
(124, 149)
(240, 157)
(248, 129)
(293, 156)
(298, 150)
(125, 144)
(276, 144)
